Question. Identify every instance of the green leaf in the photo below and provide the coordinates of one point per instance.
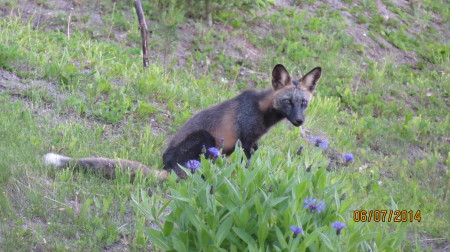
(276, 201)
(357, 239)
(155, 237)
(188, 200)
(320, 179)
(161, 210)
(250, 177)
(309, 238)
(245, 236)
(393, 204)
(168, 228)
(280, 237)
(233, 189)
(85, 207)
(302, 188)
(327, 241)
(258, 207)
(263, 232)
(178, 245)
(223, 230)
(345, 206)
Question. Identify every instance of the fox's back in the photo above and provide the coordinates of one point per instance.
(224, 121)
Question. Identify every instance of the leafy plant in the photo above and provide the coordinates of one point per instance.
(239, 208)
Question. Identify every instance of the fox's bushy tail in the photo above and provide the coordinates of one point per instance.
(104, 166)
(56, 160)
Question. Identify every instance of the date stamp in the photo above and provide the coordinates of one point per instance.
(386, 216)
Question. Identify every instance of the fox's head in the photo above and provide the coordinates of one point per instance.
(292, 97)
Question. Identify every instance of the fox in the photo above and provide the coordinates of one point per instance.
(245, 118)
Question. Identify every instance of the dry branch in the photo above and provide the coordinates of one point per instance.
(144, 31)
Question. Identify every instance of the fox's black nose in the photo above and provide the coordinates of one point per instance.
(299, 122)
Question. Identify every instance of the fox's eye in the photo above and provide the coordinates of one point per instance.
(304, 103)
(287, 101)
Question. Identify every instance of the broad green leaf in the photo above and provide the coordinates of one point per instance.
(250, 177)
(155, 237)
(321, 179)
(327, 241)
(178, 245)
(233, 189)
(245, 236)
(168, 228)
(223, 230)
(309, 238)
(281, 238)
(302, 188)
(263, 232)
(258, 207)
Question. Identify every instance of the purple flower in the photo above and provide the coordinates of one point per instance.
(300, 150)
(314, 205)
(338, 226)
(214, 152)
(348, 157)
(319, 142)
(193, 165)
(222, 140)
(296, 230)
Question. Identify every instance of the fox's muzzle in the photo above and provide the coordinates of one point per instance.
(297, 117)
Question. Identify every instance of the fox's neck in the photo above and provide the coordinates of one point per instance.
(270, 115)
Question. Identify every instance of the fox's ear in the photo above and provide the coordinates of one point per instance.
(280, 77)
(309, 80)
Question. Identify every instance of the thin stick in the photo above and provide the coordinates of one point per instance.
(435, 239)
(144, 31)
(68, 23)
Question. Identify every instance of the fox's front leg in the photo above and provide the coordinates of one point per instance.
(254, 148)
(249, 149)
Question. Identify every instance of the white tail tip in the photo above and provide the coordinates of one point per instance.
(53, 159)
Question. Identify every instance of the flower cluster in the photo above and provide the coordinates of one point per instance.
(319, 142)
(193, 165)
(314, 205)
(338, 226)
(214, 152)
(348, 157)
(296, 230)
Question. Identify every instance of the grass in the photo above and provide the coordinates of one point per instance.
(97, 100)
